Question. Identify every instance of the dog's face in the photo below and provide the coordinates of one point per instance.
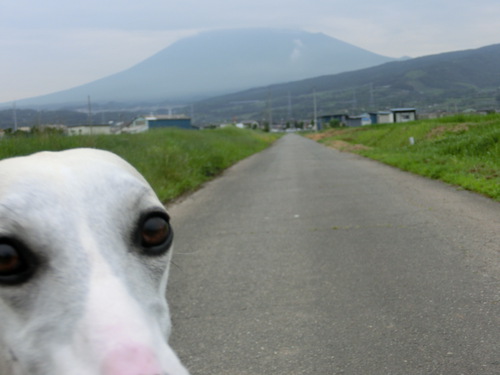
(84, 251)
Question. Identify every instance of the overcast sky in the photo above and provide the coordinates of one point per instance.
(50, 45)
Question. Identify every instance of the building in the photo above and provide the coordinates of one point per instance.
(88, 129)
(382, 117)
(404, 114)
(144, 123)
(360, 120)
(396, 115)
(327, 120)
(138, 125)
(169, 121)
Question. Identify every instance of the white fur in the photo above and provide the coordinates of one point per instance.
(95, 304)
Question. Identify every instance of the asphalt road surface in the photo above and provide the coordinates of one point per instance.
(305, 260)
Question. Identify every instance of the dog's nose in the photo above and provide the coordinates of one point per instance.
(141, 360)
(132, 360)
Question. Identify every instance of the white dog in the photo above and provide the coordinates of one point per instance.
(84, 251)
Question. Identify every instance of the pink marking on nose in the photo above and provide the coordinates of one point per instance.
(132, 360)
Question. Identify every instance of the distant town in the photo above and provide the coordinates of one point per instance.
(142, 123)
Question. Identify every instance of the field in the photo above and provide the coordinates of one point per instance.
(462, 150)
(174, 161)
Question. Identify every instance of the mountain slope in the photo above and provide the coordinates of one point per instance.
(462, 79)
(219, 62)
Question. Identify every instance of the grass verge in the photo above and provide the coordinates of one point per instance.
(463, 150)
(174, 161)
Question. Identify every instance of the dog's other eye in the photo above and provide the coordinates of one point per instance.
(155, 234)
(15, 266)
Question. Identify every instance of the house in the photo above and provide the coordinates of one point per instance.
(404, 114)
(88, 129)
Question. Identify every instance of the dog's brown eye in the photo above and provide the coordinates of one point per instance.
(156, 234)
(10, 261)
(154, 231)
(15, 265)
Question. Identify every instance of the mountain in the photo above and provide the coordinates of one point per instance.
(219, 62)
(453, 80)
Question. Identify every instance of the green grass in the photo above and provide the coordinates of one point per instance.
(174, 161)
(463, 150)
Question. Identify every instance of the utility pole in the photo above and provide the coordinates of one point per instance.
(372, 100)
(270, 105)
(289, 106)
(39, 115)
(89, 113)
(14, 116)
(315, 111)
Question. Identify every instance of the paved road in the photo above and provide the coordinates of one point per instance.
(305, 260)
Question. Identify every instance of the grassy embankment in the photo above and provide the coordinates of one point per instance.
(463, 150)
(174, 161)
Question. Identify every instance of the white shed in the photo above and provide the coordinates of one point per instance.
(404, 114)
